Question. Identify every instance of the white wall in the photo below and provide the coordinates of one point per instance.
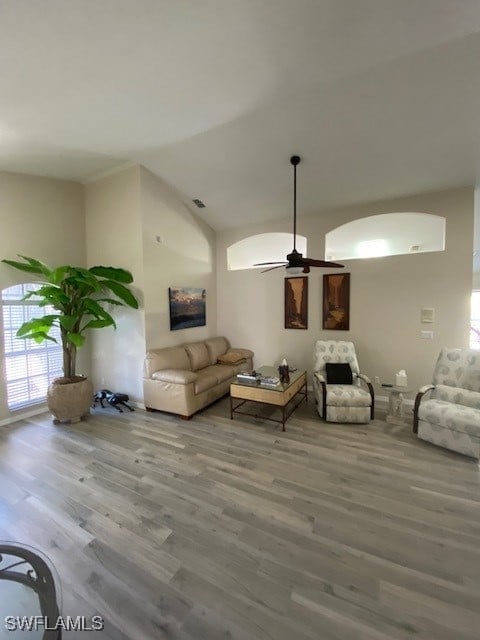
(44, 219)
(183, 256)
(113, 232)
(125, 212)
(386, 294)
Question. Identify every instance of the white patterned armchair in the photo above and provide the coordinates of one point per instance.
(447, 412)
(341, 402)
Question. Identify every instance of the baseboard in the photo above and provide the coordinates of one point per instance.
(16, 417)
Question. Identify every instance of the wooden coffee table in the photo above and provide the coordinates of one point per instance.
(280, 396)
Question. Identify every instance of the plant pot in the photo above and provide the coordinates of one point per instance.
(70, 401)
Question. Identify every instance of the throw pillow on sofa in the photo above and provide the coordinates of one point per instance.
(232, 357)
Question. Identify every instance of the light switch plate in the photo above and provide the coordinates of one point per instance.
(426, 335)
(427, 315)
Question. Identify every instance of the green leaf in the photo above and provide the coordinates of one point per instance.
(110, 301)
(37, 264)
(76, 339)
(112, 273)
(122, 292)
(23, 267)
(68, 322)
(94, 309)
(58, 274)
(40, 336)
(97, 324)
(35, 325)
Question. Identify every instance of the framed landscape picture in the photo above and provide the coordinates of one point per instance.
(296, 303)
(336, 301)
(187, 307)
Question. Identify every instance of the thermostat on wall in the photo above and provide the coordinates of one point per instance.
(427, 315)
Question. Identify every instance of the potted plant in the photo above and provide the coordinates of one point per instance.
(78, 298)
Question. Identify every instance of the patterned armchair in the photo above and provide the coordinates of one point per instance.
(341, 402)
(447, 412)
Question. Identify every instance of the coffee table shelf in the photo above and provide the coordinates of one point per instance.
(283, 394)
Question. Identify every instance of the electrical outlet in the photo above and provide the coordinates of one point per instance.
(377, 380)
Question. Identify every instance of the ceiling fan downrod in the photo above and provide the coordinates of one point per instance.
(294, 160)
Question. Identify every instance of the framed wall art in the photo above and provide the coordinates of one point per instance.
(336, 301)
(187, 307)
(296, 303)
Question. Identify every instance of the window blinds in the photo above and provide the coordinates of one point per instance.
(29, 367)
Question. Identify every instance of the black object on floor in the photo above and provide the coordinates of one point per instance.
(113, 399)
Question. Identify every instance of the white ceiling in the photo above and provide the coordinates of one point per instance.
(380, 97)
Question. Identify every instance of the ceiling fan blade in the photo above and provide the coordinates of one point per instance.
(311, 262)
(263, 264)
(279, 266)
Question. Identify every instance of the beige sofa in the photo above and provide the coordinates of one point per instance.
(186, 378)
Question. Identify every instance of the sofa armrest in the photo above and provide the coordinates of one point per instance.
(366, 379)
(175, 376)
(421, 392)
(320, 380)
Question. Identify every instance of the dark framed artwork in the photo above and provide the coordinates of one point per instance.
(296, 303)
(187, 307)
(336, 301)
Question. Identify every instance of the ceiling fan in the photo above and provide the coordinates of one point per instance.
(295, 262)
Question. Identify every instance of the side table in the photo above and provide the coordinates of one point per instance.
(395, 404)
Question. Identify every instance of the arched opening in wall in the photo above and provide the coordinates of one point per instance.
(263, 247)
(29, 366)
(387, 234)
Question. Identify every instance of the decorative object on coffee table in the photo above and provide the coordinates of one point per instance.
(296, 303)
(283, 372)
(336, 301)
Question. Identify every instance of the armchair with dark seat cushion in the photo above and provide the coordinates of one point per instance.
(336, 384)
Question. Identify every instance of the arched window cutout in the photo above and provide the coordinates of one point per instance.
(387, 234)
(264, 247)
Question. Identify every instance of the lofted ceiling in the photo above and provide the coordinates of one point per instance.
(381, 98)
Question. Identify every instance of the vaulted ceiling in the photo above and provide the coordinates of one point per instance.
(381, 98)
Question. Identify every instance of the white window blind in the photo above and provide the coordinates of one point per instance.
(30, 367)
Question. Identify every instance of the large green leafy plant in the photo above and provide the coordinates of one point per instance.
(79, 298)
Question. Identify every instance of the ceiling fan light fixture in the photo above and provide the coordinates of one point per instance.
(294, 271)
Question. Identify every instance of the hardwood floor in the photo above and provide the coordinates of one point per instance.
(214, 528)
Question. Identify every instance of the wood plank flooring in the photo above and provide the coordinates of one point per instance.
(217, 529)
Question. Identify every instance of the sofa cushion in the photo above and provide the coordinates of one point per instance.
(456, 417)
(347, 395)
(204, 382)
(457, 396)
(216, 347)
(175, 376)
(198, 354)
(220, 371)
(167, 358)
